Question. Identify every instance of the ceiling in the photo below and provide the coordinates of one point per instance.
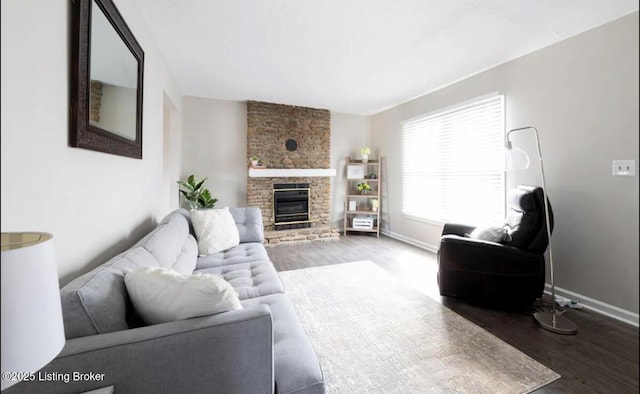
(354, 56)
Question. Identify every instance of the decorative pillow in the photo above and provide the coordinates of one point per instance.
(487, 233)
(215, 230)
(162, 295)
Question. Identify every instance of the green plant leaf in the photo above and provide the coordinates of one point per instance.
(194, 194)
(205, 200)
(199, 184)
(185, 186)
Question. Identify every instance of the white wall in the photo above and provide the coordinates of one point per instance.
(95, 204)
(215, 145)
(171, 153)
(582, 95)
(349, 133)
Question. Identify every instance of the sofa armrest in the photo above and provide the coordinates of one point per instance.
(230, 352)
(249, 222)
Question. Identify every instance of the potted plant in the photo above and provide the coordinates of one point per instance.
(197, 197)
(254, 160)
(364, 154)
(374, 205)
(363, 187)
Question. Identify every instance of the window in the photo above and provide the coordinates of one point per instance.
(453, 163)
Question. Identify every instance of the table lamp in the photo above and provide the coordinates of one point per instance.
(32, 327)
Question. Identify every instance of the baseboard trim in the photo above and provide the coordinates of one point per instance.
(600, 307)
(597, 306)
(411, 241)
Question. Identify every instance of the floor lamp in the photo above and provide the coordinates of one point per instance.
(549, 320)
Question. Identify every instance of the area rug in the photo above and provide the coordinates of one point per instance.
(375, 334)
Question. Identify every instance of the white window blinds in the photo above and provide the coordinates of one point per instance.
(452, 163)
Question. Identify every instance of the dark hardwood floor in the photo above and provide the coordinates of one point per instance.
(601, 358)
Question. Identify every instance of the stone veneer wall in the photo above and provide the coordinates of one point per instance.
(269, 126)
(260, 194)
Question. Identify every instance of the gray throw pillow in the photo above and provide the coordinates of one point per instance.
(489, 233)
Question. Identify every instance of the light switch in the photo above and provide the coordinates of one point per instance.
(624, 168)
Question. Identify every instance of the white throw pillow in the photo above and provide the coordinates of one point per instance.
(162, 295)
(215, 230)
(493, 234)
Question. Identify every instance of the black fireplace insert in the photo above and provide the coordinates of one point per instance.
(291, 205)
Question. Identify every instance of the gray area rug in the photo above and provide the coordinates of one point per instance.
(374, 334)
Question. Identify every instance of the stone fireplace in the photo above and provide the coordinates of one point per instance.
(294, 144)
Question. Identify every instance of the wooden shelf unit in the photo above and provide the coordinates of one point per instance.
(359, 172)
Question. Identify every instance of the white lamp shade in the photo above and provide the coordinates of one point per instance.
(32, 327)
(516, 159)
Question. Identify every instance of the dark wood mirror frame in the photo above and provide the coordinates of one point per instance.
(81, 133)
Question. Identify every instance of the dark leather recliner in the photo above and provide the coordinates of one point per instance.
(506, 274)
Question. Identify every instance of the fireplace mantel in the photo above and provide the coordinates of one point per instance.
(290, 172)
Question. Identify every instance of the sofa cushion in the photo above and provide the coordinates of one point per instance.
(162, 295)
(249, 280)
(178, 212)
(97, 302)
(243, 253)
(215, 229)
(171, 244)
(296, 367)
(249, 222)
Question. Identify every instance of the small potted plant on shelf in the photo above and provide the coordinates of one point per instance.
(363, 187)
(364, 154)
(254, 160)
(196, 196)
(374, 205)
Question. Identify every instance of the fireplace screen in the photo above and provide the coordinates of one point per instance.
(291, 205)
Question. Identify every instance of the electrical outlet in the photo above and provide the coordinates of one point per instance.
(624, 168)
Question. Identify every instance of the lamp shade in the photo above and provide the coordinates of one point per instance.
(32, 327)
(516, 159)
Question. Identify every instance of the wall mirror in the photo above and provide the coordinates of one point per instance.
(107, 65)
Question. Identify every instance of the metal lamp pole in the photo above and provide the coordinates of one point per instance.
(549, 320)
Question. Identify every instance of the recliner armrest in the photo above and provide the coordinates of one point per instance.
(457, 229)
(489, 272)
(471, 252)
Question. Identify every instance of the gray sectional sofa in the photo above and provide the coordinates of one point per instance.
(261, 348)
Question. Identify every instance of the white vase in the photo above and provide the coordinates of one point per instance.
(365, 158)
